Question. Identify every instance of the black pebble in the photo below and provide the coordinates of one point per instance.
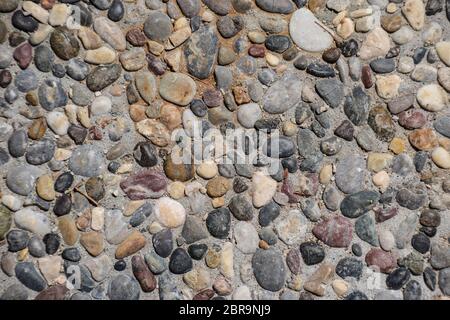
(63, 204)
(71, 254)
(24, 23)
(52, 242)
(398, 278)
(116, 11)
(180, 261)
(420, 242)
(312, 253)
(163, 242)
(17, 240)
(120, 265)
(197, 251)
(63, 182)
(349, 48)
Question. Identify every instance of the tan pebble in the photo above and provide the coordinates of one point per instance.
(93, 242)
(155, 227)
(218, 202)
(89, 38)
(397, 145)
(207, 169)
(132, 244)
(212, 257)
(340, 287)
(176, 190)
(97, 218)
(116, 90)
(155, 47)
(68, 229)
(444, 143)
(345, 28)
(62, 154)
(226, 261)
(289, 128)
(272, 60)
(337, 20)
(132, 206)
(197, 279)
(218, 186)
(125, 168)
(173, 59)
(263, 245)
(41, 34)
(83, 117)
(137, 112)
(22, 255)
(391, 7)
(44, 187)
(325, 174)
(170, 116)
(170, 213)
(378, 161)
(441, 158)
(387, 86)
(381, 180)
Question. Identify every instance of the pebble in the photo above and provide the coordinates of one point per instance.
(27, 274)
(335, 231)
(269, 269)
(123, 287)
(170, 212)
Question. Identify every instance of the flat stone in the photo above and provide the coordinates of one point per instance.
(177, 88)
(335, 231)
(200, 52)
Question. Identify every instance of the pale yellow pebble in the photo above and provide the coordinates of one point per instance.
(397, 145)
(325, 174)
(218, 202)
(176, 190)
(340, 287)
(125, 168)
(381, 180)
(207, 169)
(345, 28)
(22, 255)
(71, 113)
(272, 60)
(378, 161)
(83, 117)
(181, 23)
(154, 227)
(391, 7)
(441, 158)
(62, 154)
(155, 47)
(132, 206)
(339, 17)
(289, 128)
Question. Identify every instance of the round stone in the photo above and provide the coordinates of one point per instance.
(269, 269)
(158, 26)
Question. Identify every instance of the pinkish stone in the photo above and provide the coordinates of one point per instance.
(144, 184)
(384, 261)
(23, 55)
(295, 187)
(383, 214)
(335, 231)
(412, 119)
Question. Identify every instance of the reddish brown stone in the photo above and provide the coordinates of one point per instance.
(336, 231)
(136, 37)
(95, 133)
(383, 261)
(212, 97)
(383, 214)
(5, 78)
(412, 119)
(293, 260)
(366, 77)
(142, 273)
(23, 55)
(57, 292)
(47, 4)
(423, 139)
(257, 51)
(144, 184)
(206, 294)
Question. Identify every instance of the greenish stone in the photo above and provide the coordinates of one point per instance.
(5, 221)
